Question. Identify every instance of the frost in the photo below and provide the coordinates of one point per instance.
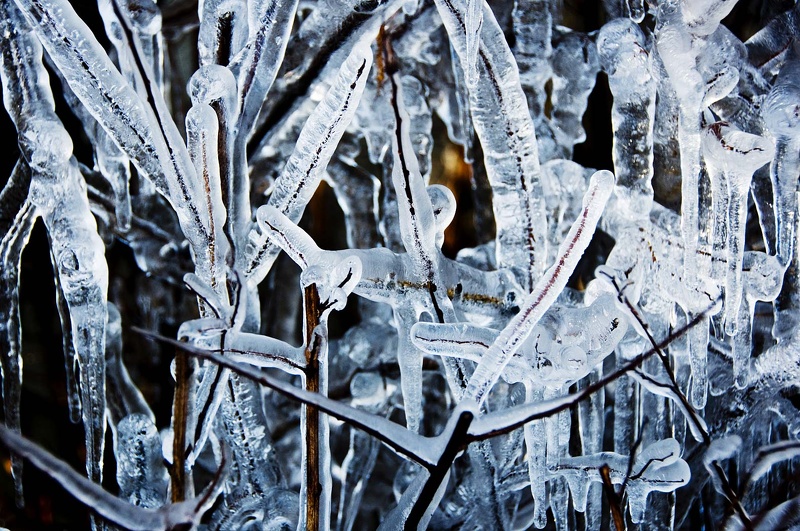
(481, 321)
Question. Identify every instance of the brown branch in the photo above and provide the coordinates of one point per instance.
(311, 305)
(614, 500)
(180, 477)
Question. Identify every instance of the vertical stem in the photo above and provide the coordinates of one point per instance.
(312, 383)
(179, 476)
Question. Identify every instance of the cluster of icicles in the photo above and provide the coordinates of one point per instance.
(658, 394)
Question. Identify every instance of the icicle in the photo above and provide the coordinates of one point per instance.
(735, 155)
(536, 445)
(144, 17)
(141, 475)
(352, 185)
(533, 30)
(124, 398)
(18, 216)
(625, 58)
(59, 192)
(681, 35)
(575, 67)
(780, 119)
(762, 281)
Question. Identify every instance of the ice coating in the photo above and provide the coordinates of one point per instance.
(384, 382)
(515, 179)
(303, 171)
(625, 58)
(735, 155)
(545, 292)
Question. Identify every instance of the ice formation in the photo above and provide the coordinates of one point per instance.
(553, 345)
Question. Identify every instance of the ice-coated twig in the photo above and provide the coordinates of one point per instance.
(223, 31)
(657, 468)
(302, 71)
(314, 148)
(170, 517)
(17, 217)
(214, 87)
(503, 124)
(202, 133)
(547, 289)
(315, 489)
(416, 447)
(659, 387)
(269, 25)
(387, 276)
(147, 135)
(474, 21)
(497, 423)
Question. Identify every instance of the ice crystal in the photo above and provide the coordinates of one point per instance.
(566, 342)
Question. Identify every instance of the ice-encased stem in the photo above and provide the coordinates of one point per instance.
(503, 125)
(546, 290)
(315, 146)
(148, 135)
(214, 86)
(202, 131)
(315, 491)
(17, 216)
(270, 22)
(223, 31)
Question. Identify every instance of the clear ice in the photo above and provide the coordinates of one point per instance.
(476, 324)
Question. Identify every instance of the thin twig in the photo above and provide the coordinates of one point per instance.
(312, 384)
(692, 414)
(614, 500)
(178, 473)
